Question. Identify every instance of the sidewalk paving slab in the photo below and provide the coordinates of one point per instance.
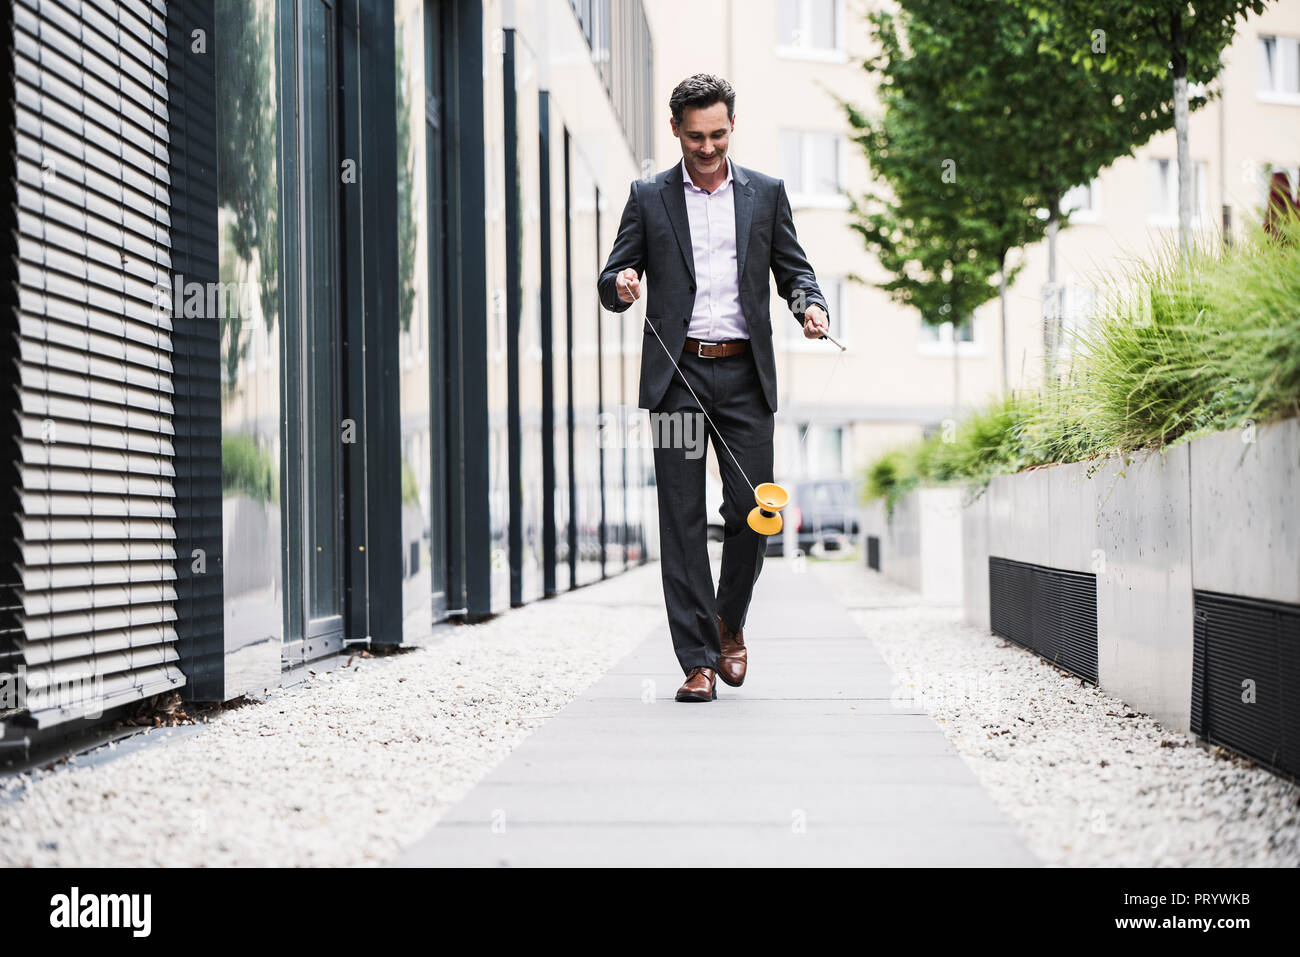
(807, 764)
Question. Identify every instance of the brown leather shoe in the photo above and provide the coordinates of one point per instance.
(701, 685)
(731, 666)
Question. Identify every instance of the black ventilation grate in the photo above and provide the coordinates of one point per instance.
(873, 552)
(1246, 677)
(1047, 610)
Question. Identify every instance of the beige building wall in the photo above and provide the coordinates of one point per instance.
(895, 378)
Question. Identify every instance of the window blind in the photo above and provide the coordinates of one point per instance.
(94, 583)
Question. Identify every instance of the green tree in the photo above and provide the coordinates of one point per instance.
(1171, 41)
(930, 235)
(936, 240)
(937, 230)
(967, 78)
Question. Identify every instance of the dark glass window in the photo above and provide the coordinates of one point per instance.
(324, 430)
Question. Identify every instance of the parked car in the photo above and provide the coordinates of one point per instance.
(824, 512)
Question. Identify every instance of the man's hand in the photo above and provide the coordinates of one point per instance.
(815, 322)
(628, 285)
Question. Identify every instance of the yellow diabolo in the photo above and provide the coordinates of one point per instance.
(765, 517)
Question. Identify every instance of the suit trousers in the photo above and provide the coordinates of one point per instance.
(730, 391)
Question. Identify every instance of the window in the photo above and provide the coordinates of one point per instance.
(1163, 192)
(833, 290)
(936, 340)
(1270, 179)
(1083, 203)
(1279, 69)
(410, 341)
(805, 26)
(254, 218)
(1076, 305)
(813, 449)
(319, 369)
(826, 451)
(810, 166)
(943, 332)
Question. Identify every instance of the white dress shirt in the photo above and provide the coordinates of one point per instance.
(717, 315)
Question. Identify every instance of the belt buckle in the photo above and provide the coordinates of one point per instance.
(699, 351)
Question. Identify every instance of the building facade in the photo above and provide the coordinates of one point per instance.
(302, 325)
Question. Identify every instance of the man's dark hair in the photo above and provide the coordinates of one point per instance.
(701, 90)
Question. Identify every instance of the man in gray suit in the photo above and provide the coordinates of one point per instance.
(705, 232)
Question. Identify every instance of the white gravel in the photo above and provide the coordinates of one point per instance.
(1086, 780)
(345, 769)
(354, 765)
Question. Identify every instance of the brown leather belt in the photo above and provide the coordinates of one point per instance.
(715, 350)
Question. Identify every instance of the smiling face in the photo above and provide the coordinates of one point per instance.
(704, 134)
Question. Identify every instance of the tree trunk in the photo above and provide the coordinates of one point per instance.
(956, 372)
(1186, 170)
(1051, 297)
(1002, 297)
(954, 324)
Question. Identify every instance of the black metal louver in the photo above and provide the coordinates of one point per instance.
(11, 704)
(89, 358)
(1050, 611)
(1246, 677)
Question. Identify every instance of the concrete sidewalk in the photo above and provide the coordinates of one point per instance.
(807, 764)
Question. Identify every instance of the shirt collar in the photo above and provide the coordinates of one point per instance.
(686, 177)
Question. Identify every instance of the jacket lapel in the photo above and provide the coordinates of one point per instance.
(675, 201)
(744, 202)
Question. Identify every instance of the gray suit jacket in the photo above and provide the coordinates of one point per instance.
(654, 238)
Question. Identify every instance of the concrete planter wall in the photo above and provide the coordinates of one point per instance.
(1217, 513)
(920, 544)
